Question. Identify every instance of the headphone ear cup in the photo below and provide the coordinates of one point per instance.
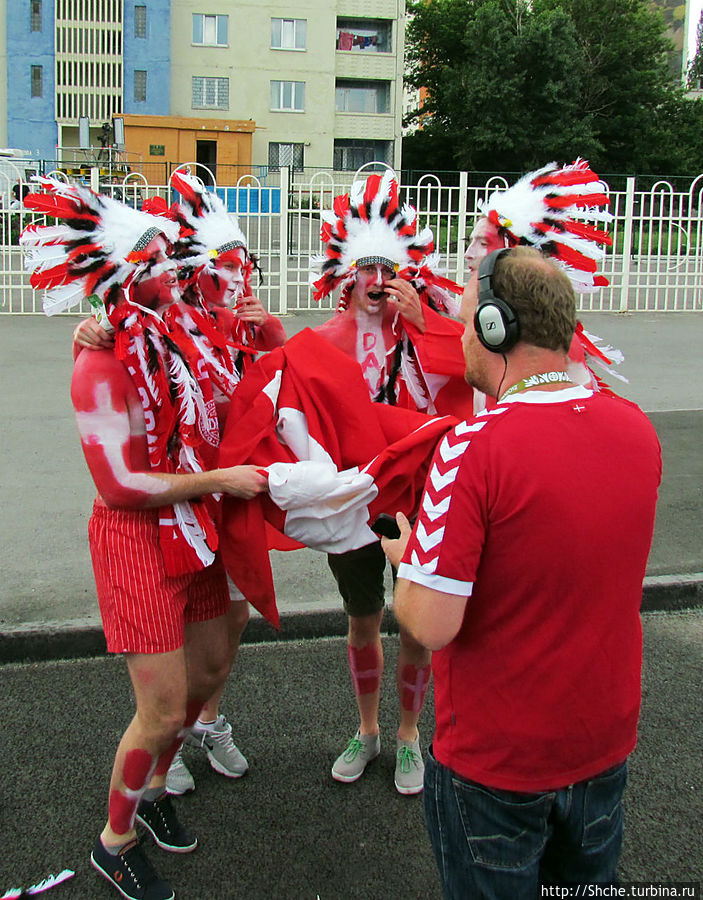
(496, 325)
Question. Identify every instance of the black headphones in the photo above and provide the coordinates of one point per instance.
(495, 322)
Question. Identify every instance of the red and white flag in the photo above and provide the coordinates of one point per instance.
(338, 460)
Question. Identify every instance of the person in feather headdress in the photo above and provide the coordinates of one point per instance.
(219, 313)
(228, 324)
(553, 209)
(389, 321)
(148, 428)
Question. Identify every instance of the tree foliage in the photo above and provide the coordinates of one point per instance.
(695, 69)
(513, 84)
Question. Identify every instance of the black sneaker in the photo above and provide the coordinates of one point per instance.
(159, 818)
(131, 873)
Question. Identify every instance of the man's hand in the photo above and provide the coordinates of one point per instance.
(403, 297)
(243, 481)
(91, 336)
(250, 309)
(395, 550)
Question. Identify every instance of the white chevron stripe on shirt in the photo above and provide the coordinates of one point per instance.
(429, 567)
(447, 452)
(439, 482)
(434, 510)
(468, 428)
(428, 541)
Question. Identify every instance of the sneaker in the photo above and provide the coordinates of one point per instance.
(178, 778)
(225, 757)
(361, 750)
(160, 819)
(130, 872)
(409, 767)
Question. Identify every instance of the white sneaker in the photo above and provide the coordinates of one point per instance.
(178, 778)
(361, 749)
(223, 754)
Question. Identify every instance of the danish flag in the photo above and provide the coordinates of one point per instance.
(308, 401)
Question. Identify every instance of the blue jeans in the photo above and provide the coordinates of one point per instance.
(502, 845)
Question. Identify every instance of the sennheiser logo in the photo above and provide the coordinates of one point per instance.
(490, 326)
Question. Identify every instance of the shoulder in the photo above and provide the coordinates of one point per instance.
(93, 367)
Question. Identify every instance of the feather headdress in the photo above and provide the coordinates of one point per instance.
(207, 229)
(551, 209)
(369, 226)
(98, 246)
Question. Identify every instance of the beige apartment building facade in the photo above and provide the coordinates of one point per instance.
(322, 85)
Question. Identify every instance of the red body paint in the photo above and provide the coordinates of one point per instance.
(365, 668)
(415, 683)
(136, 769)
(121, 812)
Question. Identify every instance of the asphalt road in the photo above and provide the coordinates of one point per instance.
(287, 829)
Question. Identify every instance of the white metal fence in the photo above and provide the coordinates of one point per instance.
(655, 264)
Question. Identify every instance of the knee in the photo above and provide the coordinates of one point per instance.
(237, 619)
(364, 630)
(164, 725)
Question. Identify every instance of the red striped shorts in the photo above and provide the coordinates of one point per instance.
(143, 609)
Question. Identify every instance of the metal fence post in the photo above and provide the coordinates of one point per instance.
(461, 229)
(95, 179)
(283, 230)
(627, 244)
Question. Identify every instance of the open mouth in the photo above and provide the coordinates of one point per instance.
(375, 296)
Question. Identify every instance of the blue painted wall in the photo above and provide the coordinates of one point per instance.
(30, 120)
(152, 54)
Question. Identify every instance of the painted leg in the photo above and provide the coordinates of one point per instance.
(412, 678)
(365, 653)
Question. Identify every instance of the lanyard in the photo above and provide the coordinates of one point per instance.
(536, 380)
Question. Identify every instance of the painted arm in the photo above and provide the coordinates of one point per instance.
(432, 617)
(113, 436)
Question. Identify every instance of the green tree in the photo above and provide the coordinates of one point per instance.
(512, 84)
(695, 68)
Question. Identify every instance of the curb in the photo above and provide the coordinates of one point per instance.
(72, 640)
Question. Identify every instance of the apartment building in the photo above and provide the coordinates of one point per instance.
(246, 82)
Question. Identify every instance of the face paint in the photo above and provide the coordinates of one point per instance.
(484, 238)
(414, 682)
(365, 667)
(368, 293)
(158, 285)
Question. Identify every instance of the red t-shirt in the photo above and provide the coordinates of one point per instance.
(541, 512)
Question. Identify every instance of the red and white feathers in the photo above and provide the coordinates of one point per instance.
(369, 223)
(552, 209)
(93, 248)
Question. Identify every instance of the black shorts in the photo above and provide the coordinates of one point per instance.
(359, 577)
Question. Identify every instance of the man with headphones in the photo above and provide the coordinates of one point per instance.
(523, 574)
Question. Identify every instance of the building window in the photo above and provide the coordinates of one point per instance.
(140, 21)
(210, 31)
(210, 93)
(288, 95)
(352, 154)
(366, 35)
(362, 96)
(286, 155)
(37, 81)
(35, 15)
(288, 34)
(139, 85)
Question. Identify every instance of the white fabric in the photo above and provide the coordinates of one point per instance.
(326, 509)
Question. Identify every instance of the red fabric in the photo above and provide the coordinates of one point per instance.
(548, 512)
(397, 443)
(144, 609)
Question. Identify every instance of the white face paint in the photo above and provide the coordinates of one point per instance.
(110, 429)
